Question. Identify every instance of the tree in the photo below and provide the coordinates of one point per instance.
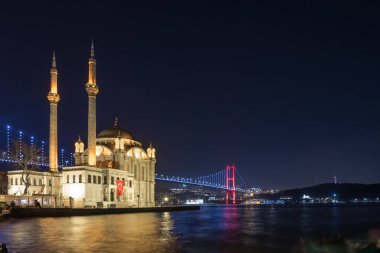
(3, 182)
(27, 158)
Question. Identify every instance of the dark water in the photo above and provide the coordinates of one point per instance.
(212, 229)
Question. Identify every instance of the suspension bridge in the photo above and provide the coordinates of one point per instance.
(228, 179)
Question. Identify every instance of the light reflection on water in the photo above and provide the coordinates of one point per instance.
(148, 232)
(212, 229)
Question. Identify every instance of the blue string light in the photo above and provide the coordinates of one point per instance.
(20, 141)
(8, 140)
(41, 161)
(71, 159)
(43, 151)
(62, 152)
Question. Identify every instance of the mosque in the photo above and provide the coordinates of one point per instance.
(114, 171)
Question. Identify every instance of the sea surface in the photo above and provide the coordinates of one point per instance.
(211, 229)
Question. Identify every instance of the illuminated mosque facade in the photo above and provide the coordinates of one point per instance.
(114, 171)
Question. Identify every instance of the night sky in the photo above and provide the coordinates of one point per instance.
(287, 90)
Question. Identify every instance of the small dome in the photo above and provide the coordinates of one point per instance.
(115, 132)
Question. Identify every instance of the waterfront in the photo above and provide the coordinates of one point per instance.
(212, 229)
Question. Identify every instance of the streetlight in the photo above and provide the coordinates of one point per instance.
(165, 200)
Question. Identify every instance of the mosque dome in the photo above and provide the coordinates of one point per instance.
(115, 132)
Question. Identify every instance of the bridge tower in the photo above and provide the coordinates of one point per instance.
(230, 183)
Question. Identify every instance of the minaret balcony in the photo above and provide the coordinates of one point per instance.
(53, 98)
(92, 89)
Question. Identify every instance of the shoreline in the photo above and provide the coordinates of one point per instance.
(67, 212)
(296, 205)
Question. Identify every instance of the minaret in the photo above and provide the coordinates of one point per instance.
(53, 98)
(92, 90)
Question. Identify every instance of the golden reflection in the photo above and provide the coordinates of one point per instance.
(166, 228)
(140, 232)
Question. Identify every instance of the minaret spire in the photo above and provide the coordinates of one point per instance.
(92, 49)
(53, 76)
(53, 98)
(92, 66)
(92, 90)
(53, 64)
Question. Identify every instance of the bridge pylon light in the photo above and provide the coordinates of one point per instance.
(230, 183)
